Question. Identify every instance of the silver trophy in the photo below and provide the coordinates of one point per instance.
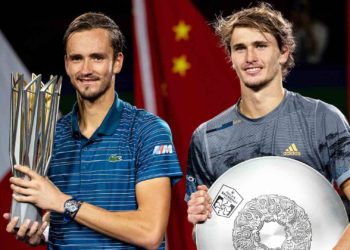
(34, 108)
(272, 203)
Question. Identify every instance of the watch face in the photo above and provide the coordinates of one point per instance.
(71, 205)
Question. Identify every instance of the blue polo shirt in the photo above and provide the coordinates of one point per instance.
(130, 146)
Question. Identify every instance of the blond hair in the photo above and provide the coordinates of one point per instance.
(265, 19)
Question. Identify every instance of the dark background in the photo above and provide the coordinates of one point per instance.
(35, 31)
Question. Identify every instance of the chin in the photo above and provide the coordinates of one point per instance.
(256, 85)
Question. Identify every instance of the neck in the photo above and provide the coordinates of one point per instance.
(92, 114)
(255, 104)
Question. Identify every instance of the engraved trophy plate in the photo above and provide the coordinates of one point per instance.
(34, 107)
(272, 203)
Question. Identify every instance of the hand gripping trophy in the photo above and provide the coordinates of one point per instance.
(34, 107)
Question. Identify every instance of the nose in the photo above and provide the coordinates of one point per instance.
(86, 67)
(251, 54)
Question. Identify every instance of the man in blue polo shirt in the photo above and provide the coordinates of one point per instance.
(112, 165)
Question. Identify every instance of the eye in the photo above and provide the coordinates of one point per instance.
(75, 58)
(239, 48)
(261, 45)
(97, 57)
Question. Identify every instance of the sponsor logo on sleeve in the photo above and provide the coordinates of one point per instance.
(163, 149)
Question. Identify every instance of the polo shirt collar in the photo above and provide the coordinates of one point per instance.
(109, 124)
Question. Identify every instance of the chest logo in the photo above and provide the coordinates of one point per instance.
(114, 158)
(292, 150)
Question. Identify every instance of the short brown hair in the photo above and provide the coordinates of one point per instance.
(93, 20)
(265, 19)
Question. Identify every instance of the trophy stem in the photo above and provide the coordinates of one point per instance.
(25, 211)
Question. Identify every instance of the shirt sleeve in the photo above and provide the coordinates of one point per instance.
(333, 133)
(198, 172)
(155, 153)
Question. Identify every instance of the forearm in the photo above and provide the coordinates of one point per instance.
(344, 241)
(144, 227)
(137, 227)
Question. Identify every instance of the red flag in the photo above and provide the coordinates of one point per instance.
(183, 75)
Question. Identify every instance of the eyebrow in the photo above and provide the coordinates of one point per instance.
(255, 43)
(92, 55)
(261, 43)
(71, 56)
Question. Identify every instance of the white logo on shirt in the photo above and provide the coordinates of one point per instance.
(163, 149)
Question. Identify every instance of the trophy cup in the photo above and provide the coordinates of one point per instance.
(33, 116)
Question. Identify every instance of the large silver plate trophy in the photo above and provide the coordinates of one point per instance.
(34, 107)
(272, 203)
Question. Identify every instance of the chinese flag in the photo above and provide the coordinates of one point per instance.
(183, 75)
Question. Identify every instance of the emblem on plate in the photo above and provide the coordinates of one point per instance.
(226, 201)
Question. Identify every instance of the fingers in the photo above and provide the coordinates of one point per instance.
(21, 190)
(21, 233)
(199, 213)
(19, 182)
(29, 233)
(23, 198)
(199, 206)
(201, 196)
(46, 217)
(6, 216)
(27, 171)
(36, 238)
(10, 228)
(22, 187)
(202, 187)
(197, 218)
(33, 229)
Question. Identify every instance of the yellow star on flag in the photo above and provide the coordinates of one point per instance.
(181, 30)
(180, 65)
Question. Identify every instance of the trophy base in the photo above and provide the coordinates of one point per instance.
(25, 211)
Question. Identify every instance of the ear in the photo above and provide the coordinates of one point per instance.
(233, 65)
(66, 63)
(118, 63)
(284, 55)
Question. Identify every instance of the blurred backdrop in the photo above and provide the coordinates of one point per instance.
(35, 31)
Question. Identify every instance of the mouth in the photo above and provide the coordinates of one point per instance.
(87, 81)
(252, 70)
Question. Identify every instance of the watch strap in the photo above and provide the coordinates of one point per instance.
(76, 211)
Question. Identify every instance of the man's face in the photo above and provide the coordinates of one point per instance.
(90, 65)
(256, 57)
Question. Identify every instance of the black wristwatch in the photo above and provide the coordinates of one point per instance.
(71, 208)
